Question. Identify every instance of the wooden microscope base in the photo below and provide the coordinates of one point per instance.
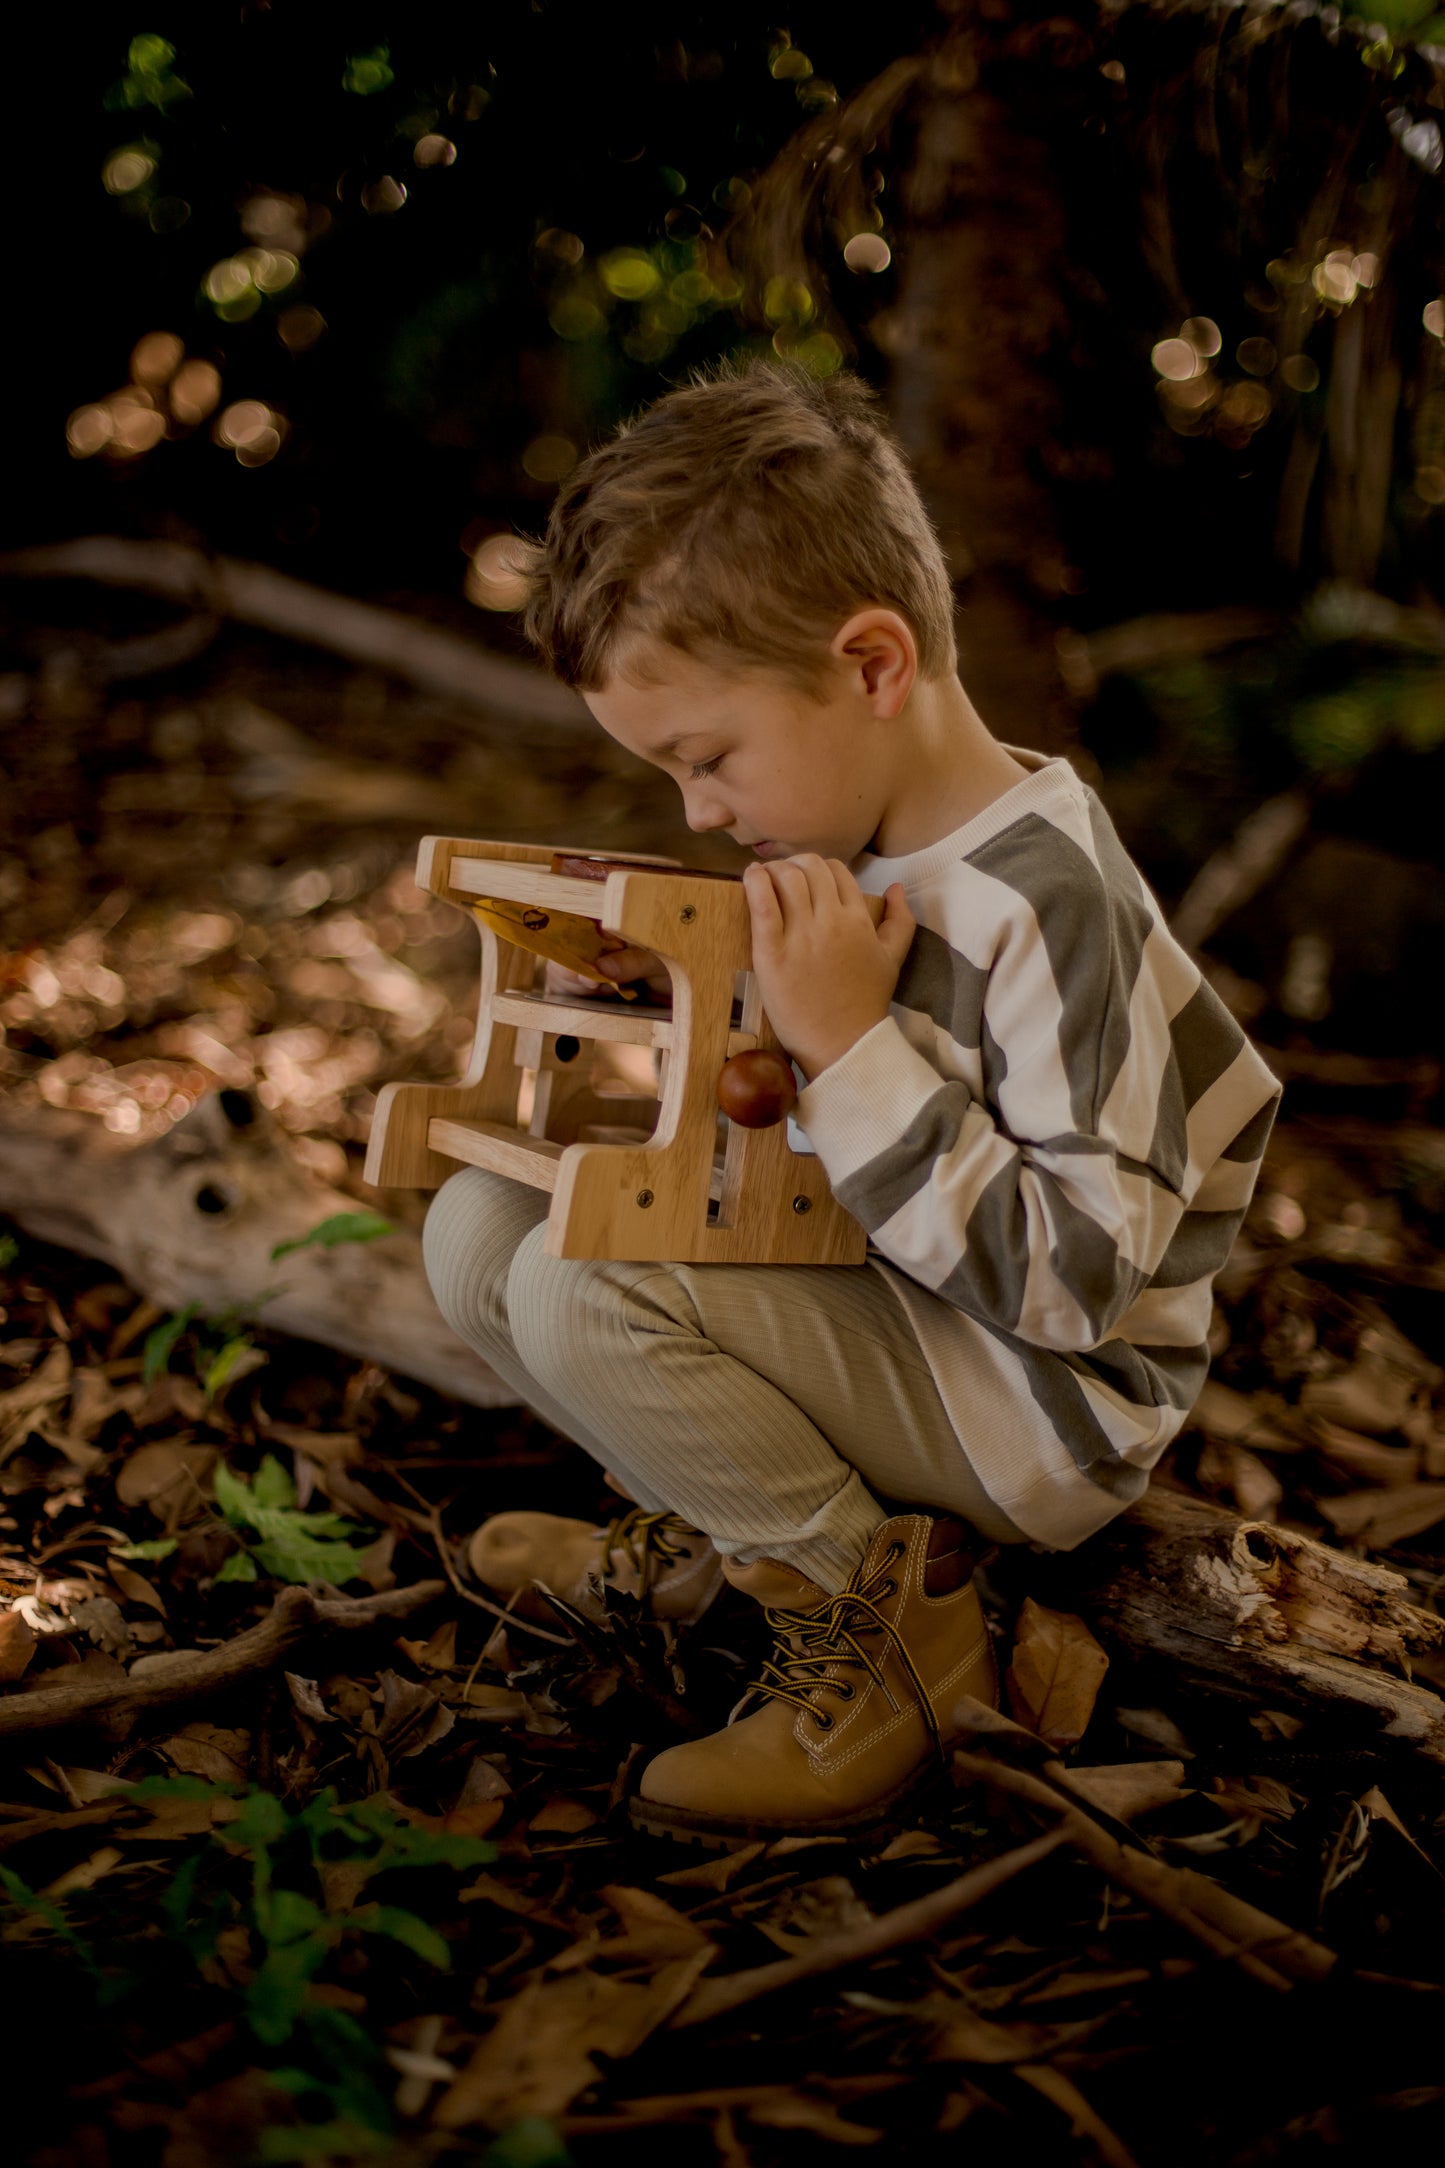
(662, 1198)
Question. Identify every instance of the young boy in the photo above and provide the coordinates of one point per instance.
(1018, 1082)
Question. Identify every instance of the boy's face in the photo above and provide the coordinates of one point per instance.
(754, 757)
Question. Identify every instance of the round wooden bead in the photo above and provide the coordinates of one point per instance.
(757, 1089)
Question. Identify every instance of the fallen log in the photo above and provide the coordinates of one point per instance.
(1263, 1614)
(428, 656)
(195, 1674)
(195, 1216)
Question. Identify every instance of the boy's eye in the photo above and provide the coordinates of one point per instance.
(700, 768)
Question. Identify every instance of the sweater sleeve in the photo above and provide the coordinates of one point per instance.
(1116, 1089)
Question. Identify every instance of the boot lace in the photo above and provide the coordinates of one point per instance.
(648, 1542)
(811, 1643)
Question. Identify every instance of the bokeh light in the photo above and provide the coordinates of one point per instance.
(1175, 359)
(1432, 316)
(1430, 485)
(89, 430)
(155, 358)
(1257, 356)
(548, 458)
(495, 578)
(250, 429)
(1300, 373)
(125, 171)
(629, 274)
(867, 252)
(1334, 279)
(556, 241)
(1203, 334)
(298, 329)
(195, 392)
(434, 150)
(383, 197)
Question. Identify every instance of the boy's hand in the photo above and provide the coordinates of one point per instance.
(622, 965)
(826, 974)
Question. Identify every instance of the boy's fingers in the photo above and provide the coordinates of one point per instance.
(897, 926)
(764, 905)
(627, 963)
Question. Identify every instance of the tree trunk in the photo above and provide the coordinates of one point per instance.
(1264, 1615)
(981, 302)
(194, 1217)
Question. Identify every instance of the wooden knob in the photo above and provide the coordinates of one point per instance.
(757, 1089)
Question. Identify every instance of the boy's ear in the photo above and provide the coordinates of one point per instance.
(879, 644)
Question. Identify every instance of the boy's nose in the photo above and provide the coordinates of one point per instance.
(704, 812)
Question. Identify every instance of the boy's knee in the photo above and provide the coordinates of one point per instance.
(568, 1314)
(473, 1229)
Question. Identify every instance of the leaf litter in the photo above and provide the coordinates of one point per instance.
(376, 1896)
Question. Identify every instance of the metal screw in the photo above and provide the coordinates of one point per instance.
(802, 1204)
(644, 1198)
(688, 913)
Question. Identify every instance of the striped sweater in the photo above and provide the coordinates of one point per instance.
(1056, 1131)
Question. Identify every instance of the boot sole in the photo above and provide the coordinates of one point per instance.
(883, 1819)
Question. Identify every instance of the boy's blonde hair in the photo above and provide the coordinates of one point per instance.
(744, 516)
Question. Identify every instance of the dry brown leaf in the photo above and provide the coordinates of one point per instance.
(828, 1906)
(1228, 1466)
(210, 1751)
(333, 1448)
(654, 1929)
(17, 1644)
(1127, 1789)
(23, 1405)
(170, 1475)
(412, 1717)
(913, 1844)
(539, 2055)
(1055, 1675)
(715, 1874)
(563, 1817)
(1367, 1459)
(800, 2111)
(1258, 1419)
(437, 1654)
(86, 1872)
(134, 1586)
(1383, 1517)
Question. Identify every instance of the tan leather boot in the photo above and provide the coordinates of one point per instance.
(854, 1722)
(656, 1557)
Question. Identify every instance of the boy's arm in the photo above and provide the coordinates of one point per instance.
(1035, 1217)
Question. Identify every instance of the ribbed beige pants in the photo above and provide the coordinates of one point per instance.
(772, 1406)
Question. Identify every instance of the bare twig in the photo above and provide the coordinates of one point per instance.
(1272, 1953)
(439, 1542)
(188, 1674)
(436, 660)
(857, 1945)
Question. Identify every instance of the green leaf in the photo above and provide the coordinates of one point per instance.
(9, 1251)
(530, 2142)
(224, 1365)
(276, 1996)
(286, 1916)
(1392, 15)
(296, 1556)
(367, 73)
(153, 1547)
(341, 1227)
(240, 1566)
(160, 1341)
(272, 1484)
(412, 1933)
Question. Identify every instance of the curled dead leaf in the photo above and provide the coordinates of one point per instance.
(1055, 1675)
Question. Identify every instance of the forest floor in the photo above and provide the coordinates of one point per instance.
(378, 1899)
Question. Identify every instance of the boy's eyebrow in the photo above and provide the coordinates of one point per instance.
(670, 745)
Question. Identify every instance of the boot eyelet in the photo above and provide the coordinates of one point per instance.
(822, 1719)
(896, 1550)
(889, 1588)
(844, 1689)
